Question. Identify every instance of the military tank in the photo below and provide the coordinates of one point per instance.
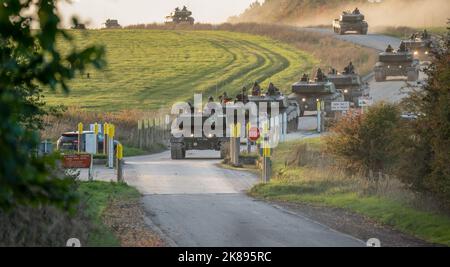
(79, 26)
(350, 84)
(351, 22)
(308, 92)
(112, 24)
(180, 16)
(287, 107)
(179, 143)
(397, 63)
(420, 44)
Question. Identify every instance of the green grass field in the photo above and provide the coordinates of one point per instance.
(149, 69)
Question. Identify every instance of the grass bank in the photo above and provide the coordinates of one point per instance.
(98, 196)
(304, 174)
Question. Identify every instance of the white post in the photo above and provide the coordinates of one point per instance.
(319, 122)
(110, 152)
(91, 169)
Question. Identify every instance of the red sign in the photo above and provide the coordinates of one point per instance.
(77, 161)
(253, 134)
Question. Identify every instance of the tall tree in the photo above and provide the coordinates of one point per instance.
(29, 58)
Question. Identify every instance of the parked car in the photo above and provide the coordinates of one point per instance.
(69, 141)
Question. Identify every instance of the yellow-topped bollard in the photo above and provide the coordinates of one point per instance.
(80, 134)
(119, 153)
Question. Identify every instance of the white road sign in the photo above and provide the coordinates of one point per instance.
(340, 106)
(365, 102)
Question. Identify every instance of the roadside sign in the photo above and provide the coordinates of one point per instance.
(365, 102)
(91, 143)
(77, 161)
(340, 106)
(253, 134)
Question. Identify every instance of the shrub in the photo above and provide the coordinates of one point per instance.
(367, 142)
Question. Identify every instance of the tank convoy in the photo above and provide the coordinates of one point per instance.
(181, 143)
(180, 16)
(420, 44)
(351, 22)
(308, 92)
(350, 83)
(112, 24)
(397, 63)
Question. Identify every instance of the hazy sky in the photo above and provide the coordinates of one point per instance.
(145, 11)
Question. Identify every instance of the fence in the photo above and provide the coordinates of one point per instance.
(151, 132)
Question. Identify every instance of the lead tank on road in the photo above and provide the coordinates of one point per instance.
(308, 92)
(397, 63)
(350, 83)
(180, 143)
(351, 22)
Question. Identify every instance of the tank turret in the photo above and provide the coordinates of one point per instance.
(309, 92)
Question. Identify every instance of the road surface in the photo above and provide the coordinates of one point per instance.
(194, 202)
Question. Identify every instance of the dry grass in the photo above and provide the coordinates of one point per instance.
(124, 120)
(43, 227)
(126, 220)
(309, 163)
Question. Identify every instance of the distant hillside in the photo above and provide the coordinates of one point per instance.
(414, 13)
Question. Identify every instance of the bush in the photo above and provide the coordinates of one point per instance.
(367, 142)
(426, 162)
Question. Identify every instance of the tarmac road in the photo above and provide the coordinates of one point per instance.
(194, 202)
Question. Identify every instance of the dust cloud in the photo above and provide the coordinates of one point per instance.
(412, 13)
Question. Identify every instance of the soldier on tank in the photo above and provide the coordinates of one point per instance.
(333, 71)
(350, 69)
(243, 96)
(356, 11)
(389, 49)
(184, 8)
(402, 47)
(272, 90)
(225, 98)
(320, 77)
(304, 78)
(425, 34)
(256, 90)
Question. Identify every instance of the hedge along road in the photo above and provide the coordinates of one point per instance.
(152, 69)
